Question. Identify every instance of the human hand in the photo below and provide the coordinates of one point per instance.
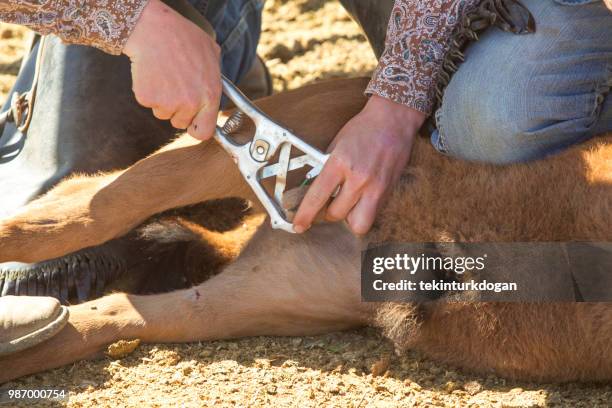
(175, 69)
(367, 158)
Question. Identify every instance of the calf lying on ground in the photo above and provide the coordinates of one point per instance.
(285, 284)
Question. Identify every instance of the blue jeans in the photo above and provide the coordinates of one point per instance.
(522, 97)
(237, 24)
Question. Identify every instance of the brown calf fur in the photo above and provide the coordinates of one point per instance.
(284, 284)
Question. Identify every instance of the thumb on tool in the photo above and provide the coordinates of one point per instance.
(203, 124)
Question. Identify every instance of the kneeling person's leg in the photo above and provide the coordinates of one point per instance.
(522, 97)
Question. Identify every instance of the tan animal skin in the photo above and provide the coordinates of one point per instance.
(284, 284)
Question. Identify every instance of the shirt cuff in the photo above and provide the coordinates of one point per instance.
(418, 38)
(400, 92)
(104, 24)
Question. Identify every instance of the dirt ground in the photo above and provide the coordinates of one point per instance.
(303, 41)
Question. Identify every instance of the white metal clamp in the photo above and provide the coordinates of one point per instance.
(253, 158)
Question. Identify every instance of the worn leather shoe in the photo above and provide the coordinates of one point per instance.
(26, 321)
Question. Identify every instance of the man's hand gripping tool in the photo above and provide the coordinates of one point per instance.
(253, 158)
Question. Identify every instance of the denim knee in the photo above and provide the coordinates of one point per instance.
(237, 24)
(520, 98)
(496, 130)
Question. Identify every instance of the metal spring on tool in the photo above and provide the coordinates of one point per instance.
(233, 123)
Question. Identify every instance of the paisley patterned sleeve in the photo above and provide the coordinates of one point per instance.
(418, 38)
(104, 24)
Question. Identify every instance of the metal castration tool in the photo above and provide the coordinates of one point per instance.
(253, 158)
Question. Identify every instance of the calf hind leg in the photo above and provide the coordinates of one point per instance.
(281, 285)
(88, 211)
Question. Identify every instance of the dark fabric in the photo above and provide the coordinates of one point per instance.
(373, 18)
